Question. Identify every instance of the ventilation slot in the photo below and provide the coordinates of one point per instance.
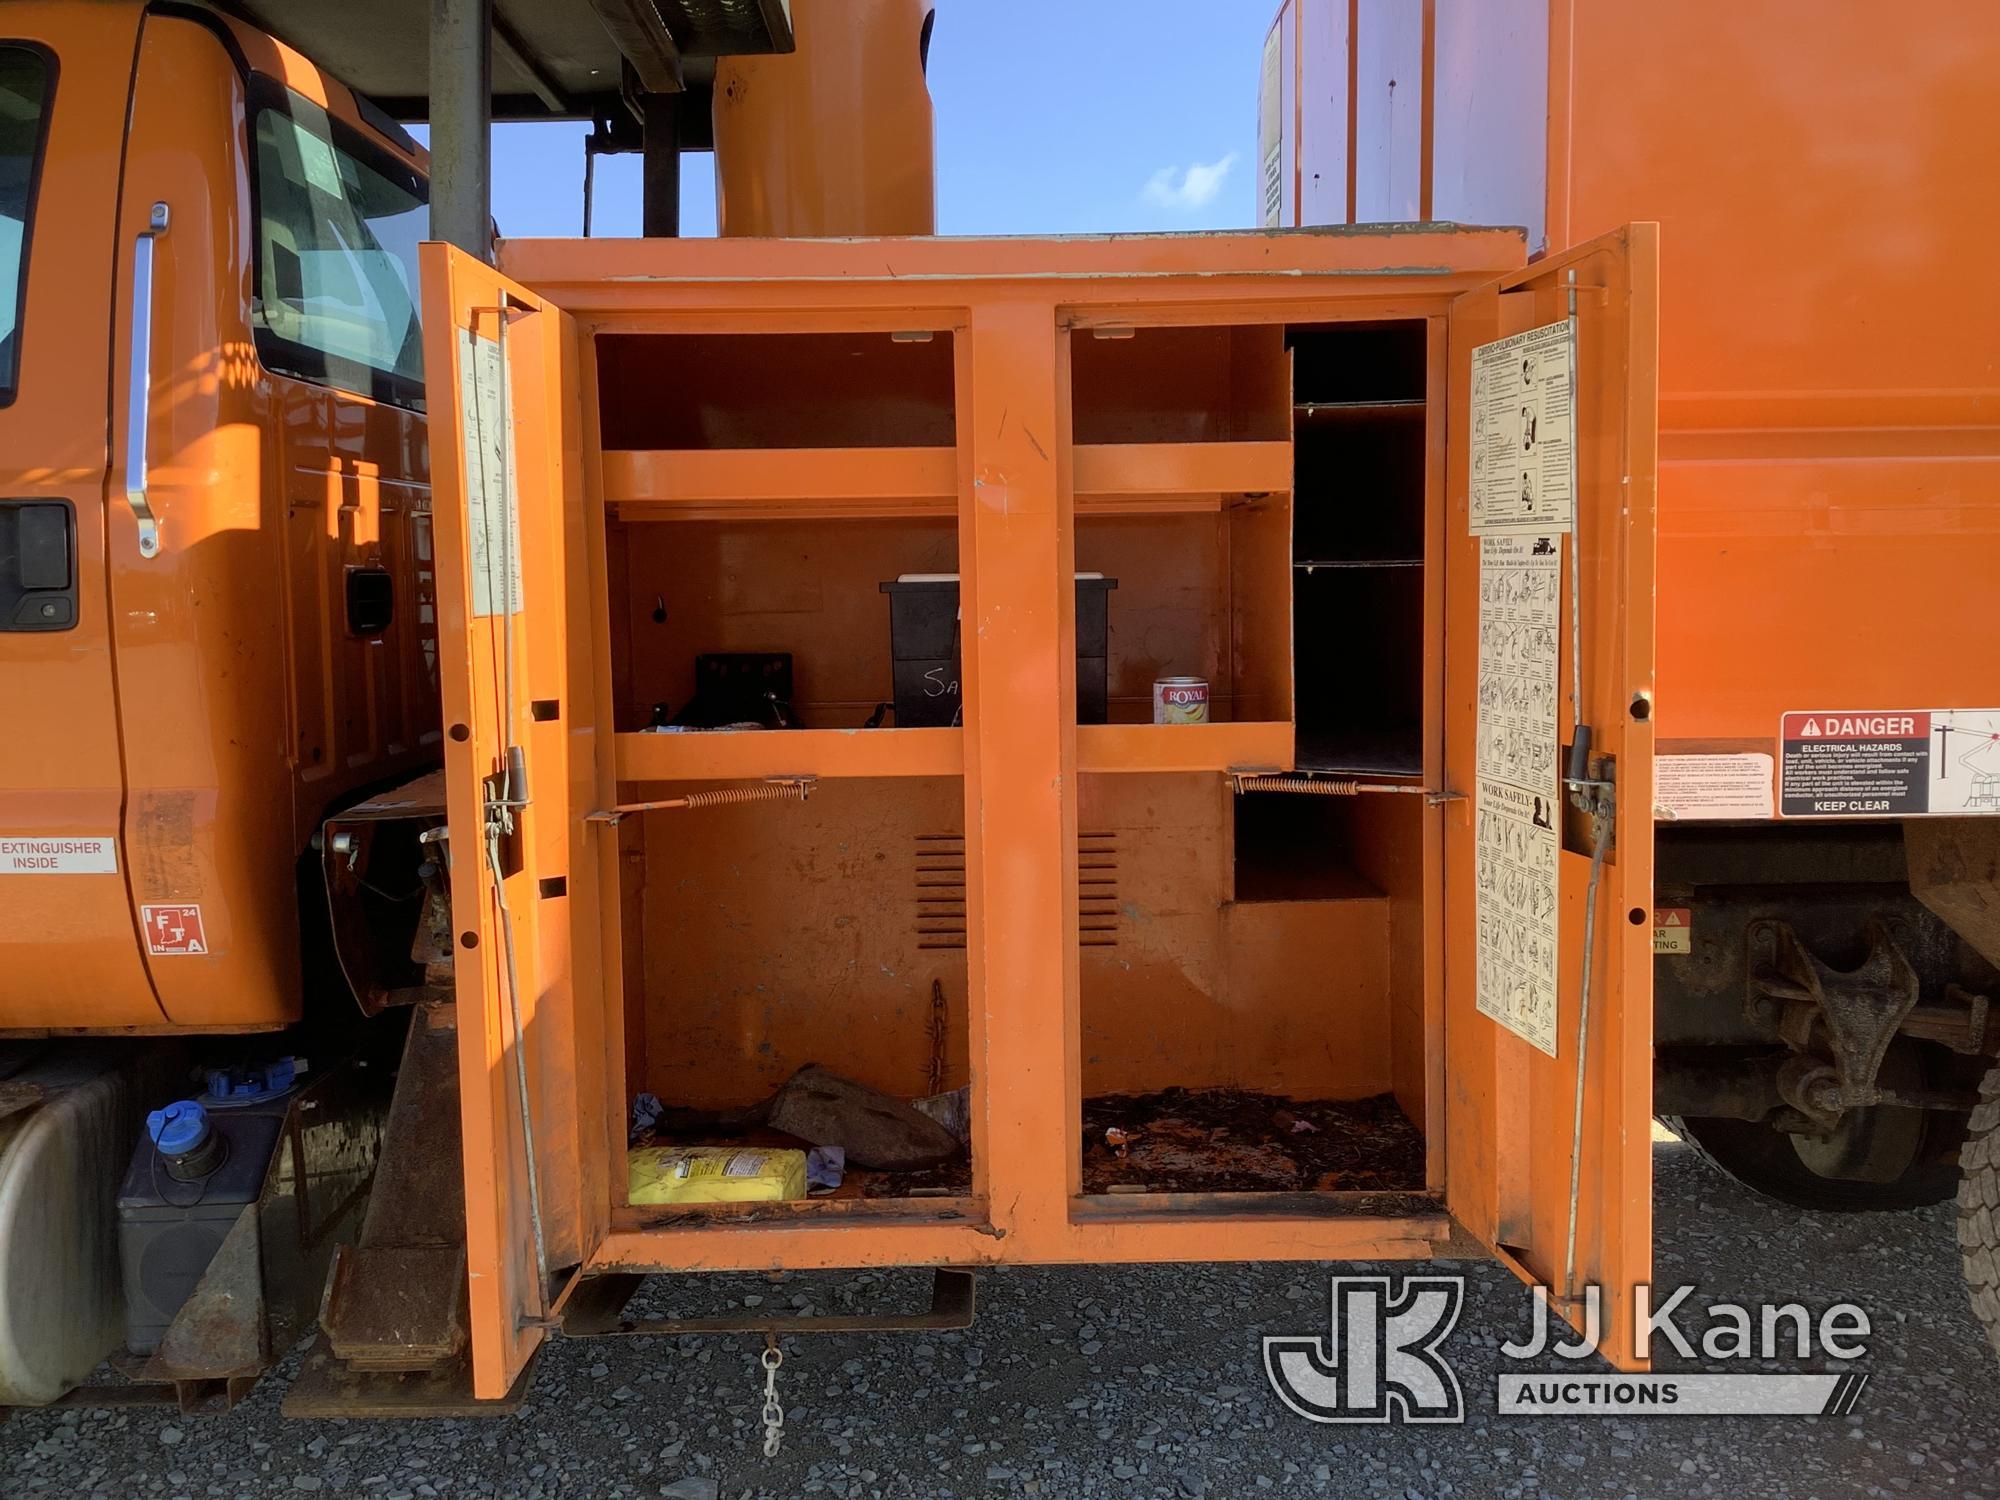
(940, 889)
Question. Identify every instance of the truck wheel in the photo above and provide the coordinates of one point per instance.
(1979, 1208)
(1878, 1159)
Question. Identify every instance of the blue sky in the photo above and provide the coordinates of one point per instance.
(1053, 117)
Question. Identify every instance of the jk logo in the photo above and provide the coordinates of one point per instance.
(1380, 1362)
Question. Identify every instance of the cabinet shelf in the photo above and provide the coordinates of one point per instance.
(712, 484)
(723, 755)
(1184, 747)
(830, 753)
(1151, 478)
(1329, 413)
(1313, 565)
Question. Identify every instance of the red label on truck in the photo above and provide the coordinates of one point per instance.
(173, 929)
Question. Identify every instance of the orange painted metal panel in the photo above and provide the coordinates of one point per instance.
(532, 1012)
(814, 1240)
(1830, 407)
(1510, 1141)
(827, 283)
(1829, 410)
(1016, 539)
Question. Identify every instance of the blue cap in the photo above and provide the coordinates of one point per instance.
(252, 1085)
(179, 1128)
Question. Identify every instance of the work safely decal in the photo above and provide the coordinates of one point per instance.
(1515, 866)
(1889, 763)
(1523, 469)
(33, 854)
(173, 928)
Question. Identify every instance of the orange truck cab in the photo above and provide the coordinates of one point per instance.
(216, 627)
(215, 575)
(1828, 716)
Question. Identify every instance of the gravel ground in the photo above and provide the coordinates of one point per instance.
(1116, 1382)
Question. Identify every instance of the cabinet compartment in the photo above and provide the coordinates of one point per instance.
(763, 937)
(1179, 385)
(1253, 977)
(1200, 594)
(808, 588)
(774, 390)
(1363, 446)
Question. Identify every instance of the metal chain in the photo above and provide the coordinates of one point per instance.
(774, 1414)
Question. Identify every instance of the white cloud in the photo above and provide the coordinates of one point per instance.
(1188, 188)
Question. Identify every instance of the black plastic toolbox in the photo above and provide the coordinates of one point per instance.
(923, 643)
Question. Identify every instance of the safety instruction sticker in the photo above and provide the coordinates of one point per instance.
(1673, 929)
(1890, 763)
(1522, 433)
(1517, 912)
(1515, 868)
(1695, 787)
(22, 854)
(172, 929)
(1520, 582)
(486, 411)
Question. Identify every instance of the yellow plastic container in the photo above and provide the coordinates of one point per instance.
(714, 1174)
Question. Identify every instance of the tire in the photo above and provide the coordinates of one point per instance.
(1979, 1208)
(1768, 1161)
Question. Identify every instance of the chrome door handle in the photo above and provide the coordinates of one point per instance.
(139, 393)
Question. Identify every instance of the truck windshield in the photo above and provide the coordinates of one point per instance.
(338, 228)
(24, 86)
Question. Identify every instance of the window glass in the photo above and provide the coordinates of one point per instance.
(23, 107)
(338, 227)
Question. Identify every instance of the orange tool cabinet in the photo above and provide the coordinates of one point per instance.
(649, 451)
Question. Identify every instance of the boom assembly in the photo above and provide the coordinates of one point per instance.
(556, 761)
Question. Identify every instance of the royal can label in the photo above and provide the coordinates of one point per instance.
(1180, 700)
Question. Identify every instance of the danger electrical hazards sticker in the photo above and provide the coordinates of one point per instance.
(1902, 762)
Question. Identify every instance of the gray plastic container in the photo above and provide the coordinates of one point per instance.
(169, 1231)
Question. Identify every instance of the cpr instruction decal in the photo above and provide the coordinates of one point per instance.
(493, 518)
(24, 854)
(1889, 763)
(1522, 430)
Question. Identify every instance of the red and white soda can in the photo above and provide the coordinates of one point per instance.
(1180, 700)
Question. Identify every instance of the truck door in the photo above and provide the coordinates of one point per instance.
(68, 949)
(518, 563)
(1548, 998)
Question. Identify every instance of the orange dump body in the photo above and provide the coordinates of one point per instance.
(1829, 391)
(177, 732)
(727, 448)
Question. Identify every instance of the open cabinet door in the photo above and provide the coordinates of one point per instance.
(1548, 1108)
(521, 734)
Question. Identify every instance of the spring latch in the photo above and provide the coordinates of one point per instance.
(777, 789)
